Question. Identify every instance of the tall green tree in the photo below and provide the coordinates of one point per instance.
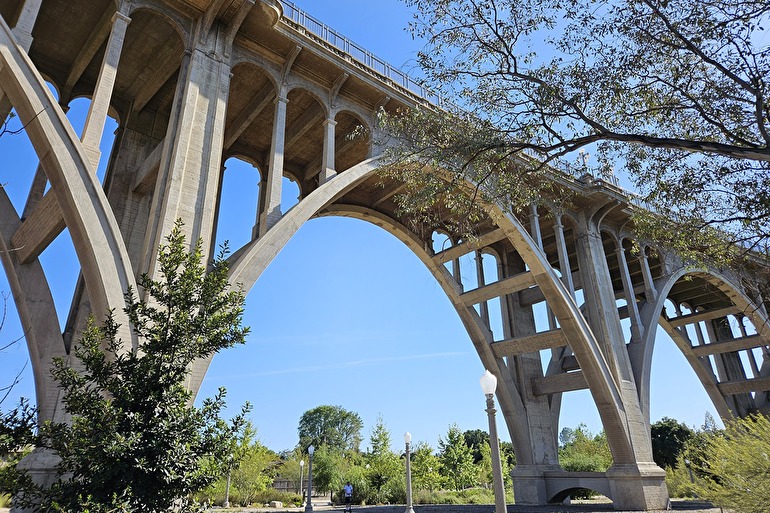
(384, 464)
(457, 459)
(675, 92)
(331, 426)
(669, 438)
(135, 442)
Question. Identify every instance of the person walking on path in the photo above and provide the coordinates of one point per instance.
(348, 492)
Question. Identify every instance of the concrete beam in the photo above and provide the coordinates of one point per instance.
(515, 283)
(729, 346)
(530, 343)
(247, 116)
(703, 316)
(558, 383)
(39, 229)
(466, 247)
(90, 48)
(744, 386)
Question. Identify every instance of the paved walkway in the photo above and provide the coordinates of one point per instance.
(593, 507)
(676, 505)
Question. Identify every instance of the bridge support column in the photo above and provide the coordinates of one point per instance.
(191, 161)
(271, 212)
(25, 22)
(328, 165)
(636, 481)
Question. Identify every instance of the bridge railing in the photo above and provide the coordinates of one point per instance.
(297, 18)
(356, 52)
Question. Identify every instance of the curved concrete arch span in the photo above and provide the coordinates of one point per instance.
(249, 262)
(87, 214)
(741, 305)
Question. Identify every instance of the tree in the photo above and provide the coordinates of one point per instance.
(331, 426)
(254, 467)
(669, 438)
(384, 464)
(475, 439)
(737, 466)
(457, 459)
(425, 468)
(135, 442)
(674, 91)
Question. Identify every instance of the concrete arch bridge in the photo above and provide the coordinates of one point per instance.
(195, 82)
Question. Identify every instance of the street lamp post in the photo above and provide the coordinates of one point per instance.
(226, 504)
(407, 442)
(689, 469)
(488, 386)
(309, 503)
(301, 474)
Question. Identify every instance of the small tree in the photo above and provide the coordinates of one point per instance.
(135, 442)
(457, 459)
(384, 465)
(737, 466)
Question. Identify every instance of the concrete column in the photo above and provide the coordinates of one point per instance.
(649, 286)
(561, 247)
(638, 483)
(481, 281)
(272, 212)
(100, 102)
(628, 288)
(328, 166)
(191, 159)
(534, 225)
(25, 22)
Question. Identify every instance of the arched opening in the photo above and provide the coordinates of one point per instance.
(352, 141)
(237, 204)
(362, 324)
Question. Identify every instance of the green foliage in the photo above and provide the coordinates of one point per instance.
(475, 439)
(328, 469)
(17, 435)
(674, 91)
(426, 468)
(457, 459)
(253, 470)
(135, 443)
(581, 451)
(385, 468)
(331, 426)
(737, 466)
(669, 438)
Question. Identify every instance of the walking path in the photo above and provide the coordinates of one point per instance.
(692, 506)
(676, 505)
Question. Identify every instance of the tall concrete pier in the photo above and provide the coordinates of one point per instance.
(192, 83)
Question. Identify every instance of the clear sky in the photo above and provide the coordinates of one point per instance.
(345, 315)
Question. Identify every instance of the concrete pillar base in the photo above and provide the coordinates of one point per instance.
(529, 484)
(42, 466)
(640, 486)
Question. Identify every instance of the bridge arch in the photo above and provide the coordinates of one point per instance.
(93, 228)
(733, 301)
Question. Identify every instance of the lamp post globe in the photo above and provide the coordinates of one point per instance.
(488, 384)
(407, 443)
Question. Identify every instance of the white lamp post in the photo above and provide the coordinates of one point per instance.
(407, 442)
(226, 504)
(309, 503)
(301, 474)
(488, 386)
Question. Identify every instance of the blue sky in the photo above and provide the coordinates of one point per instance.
(345, 315)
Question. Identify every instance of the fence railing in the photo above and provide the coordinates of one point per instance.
(296, 16)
